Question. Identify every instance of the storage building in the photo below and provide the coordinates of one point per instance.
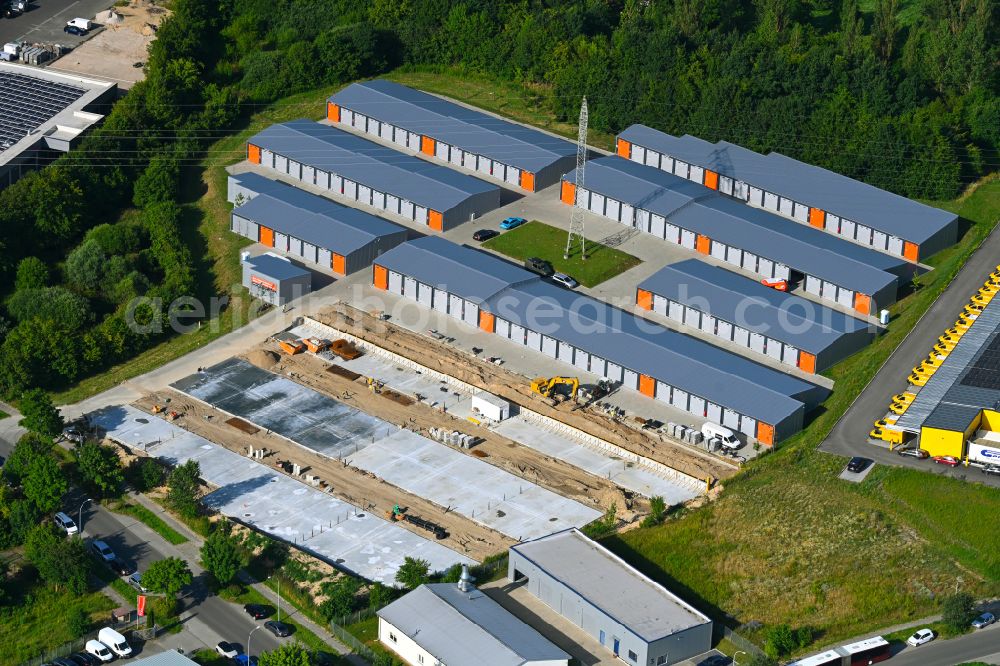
(691, 375)
(635, 618)
(274, 279)
(444, 623)
(308, 226)
(686, 214)
(809, 194)
(371, 174)
(736, 309)
(514, 154)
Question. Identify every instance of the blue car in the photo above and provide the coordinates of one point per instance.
(512, 223)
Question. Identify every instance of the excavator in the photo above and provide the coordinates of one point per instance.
(545, 386)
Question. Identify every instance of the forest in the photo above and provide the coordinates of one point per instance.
(899, 93)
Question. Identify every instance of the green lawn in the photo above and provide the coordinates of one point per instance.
(535, 239)
(150, 519)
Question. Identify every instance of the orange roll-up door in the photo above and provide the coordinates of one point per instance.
(427, 145)
(528, 181)
(765, 433)
(644, 299)
(711, 179)
(703, 244)
(253, 153)
(435, 220)
(807, 362)
(911, 251)
(568, 193)
(332, 112)
(267, 236)
(863, 303)
(338, 263)
(380, 276)
(486, 321)
(817, 217)
(647, 386)
(624, 148)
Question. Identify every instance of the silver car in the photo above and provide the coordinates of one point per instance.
(984, 620)
(565, 280)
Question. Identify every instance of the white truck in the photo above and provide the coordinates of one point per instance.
(726, 437)
(115, 641)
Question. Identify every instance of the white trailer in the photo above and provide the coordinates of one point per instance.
(489, 406)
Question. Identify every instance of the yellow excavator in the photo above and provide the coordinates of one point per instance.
(545, 386)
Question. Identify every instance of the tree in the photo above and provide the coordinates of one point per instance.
(32, 273)
(379, 596)
(85, 267)
(60, 561)
(182, 495)
(78, 622)
(100, 467)
(24, 515)
(781, 640)
(70, 311)
(167, 576)
(221, 554)
(958, 611)
(30, 446)
(39, 414)
(145, 474)
(289, 654)
(413, 573)
(44, 484)
(341, 597)
(159, 182)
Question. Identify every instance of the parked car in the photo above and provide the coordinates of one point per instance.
(73, 30)
(257, 611)
(121, 567)
(512, 223)
(63, 661)
(485, 235)
(245, 660)
(103, 551)
(857, 464)
(913, 452)
(919, 637)
(65, 523)
(99, 650)
(540, 266)
(227, 649)
(115, 641)
(278, 628)
(950, 461)
(565, 280)
(135, 580)
(991, 469)
(84, 659)
(984, 620)
(775, 283)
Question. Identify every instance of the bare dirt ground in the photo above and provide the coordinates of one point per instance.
(496, 380)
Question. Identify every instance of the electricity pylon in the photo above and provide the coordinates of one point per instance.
(577, 217)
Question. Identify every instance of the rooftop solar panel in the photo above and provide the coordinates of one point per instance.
(27, 102)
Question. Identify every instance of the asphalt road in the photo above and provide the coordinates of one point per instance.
(982, 645)
(209, 619)
(850, 436)
(44, 20)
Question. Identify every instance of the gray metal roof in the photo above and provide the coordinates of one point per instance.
(602, 578)
(749, 304)
(275, 267)
(804, 183)
(698, 209)
(371, 164)
(309, 217)
(464, 271)
(458, 627)
(468, 129)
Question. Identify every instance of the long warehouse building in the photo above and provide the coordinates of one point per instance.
(757, 241)
(491, 146)
(785, 327)
(371, 174)
(691, 375)
(309, 226)
(809, 194)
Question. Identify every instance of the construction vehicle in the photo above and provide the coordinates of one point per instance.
(545, 386)
(590, 394)
(374, 385)
(395, 514)
(292, 347)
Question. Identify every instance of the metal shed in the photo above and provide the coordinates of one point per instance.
(309, 227)
(490, 146)
(371, 174)
(274, 279)
(793, 330)
(634, 617)
(681, 212)
(809, 194)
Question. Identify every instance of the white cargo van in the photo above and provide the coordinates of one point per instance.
(81, 23)
(99, 650)
(726, 436)
(115, 641)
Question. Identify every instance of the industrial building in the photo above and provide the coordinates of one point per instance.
(447, 623)
(635, 618)
(514, 154)
(372, 174)
(274, 279)
(809, 194)
(482, 290)
(754, 240)
(957, 412)
(308, 226)
(785, 327)
(43, 114)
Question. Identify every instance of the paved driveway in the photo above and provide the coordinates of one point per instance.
(44, 20)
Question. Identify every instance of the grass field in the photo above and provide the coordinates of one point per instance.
(150, 519)
(535, 239)
(787, 542)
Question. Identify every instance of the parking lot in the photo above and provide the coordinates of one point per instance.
(44, 21)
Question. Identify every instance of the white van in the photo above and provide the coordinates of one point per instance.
(99, 650)
(115, 641)
(726, 436)
(66, 523)
(81, 23)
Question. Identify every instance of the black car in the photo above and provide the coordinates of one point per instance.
(73, 30)
(485, 234)
(540, 266)
(64, 661)
(257, 611)
(857, 463)
(279, 629)
(84, 659)
(121, 567)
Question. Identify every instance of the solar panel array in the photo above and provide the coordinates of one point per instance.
(985, 371)
(26, 102)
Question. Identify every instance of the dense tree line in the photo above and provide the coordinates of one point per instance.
(902, 95)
